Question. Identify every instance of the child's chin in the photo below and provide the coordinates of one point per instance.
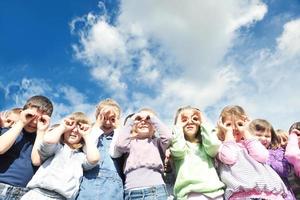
(30, 130)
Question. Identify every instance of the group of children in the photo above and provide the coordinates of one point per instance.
(239, 159)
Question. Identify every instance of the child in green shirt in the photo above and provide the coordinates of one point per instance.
(193, 149)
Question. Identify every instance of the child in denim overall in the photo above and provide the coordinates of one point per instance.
(104, 181)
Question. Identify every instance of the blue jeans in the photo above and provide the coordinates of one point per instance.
(8, 192)
(106, 186)
(158, 192)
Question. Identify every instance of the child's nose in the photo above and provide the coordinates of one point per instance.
(107, 121)
(76, 128)
(34, 121)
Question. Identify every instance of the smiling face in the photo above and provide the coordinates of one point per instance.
(143, 126)
(109, 120)
(264, 137)
(72, 137)
(190, 120)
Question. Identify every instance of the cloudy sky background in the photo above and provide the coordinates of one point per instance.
(153, 53)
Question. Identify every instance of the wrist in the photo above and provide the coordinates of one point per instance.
(20, 124)
(61, 128)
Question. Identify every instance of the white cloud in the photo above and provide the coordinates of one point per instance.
(271, 89)
(16, 94)
(288, 42)
(174, 50)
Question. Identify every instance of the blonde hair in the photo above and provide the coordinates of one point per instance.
(16, 111)
(80, 118)
(282, 134)
(230, 111)
(108, 102)
(148, 110)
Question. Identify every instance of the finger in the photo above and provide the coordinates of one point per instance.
(106, 111)
(70, 123)
(296, 131)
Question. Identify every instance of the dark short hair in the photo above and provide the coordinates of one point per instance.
(41, 103)
(295, 125)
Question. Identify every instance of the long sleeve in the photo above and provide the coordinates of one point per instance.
(256, 150)
(210, 141)
(178, 144)
(47, 150)
(278, 162)
(228, 153)
(292, 153)
(95, 134)
(113, 150)
(124, 139)
(165, 134)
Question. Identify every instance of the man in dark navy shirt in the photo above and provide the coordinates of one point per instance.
(19, 157)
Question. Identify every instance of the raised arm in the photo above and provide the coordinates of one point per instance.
(53, 136)
(92, 153)
(292, 152)
(42, 125)
(8, 138)
(255, 149)
(178, 144)
(124, 138)
(165, 134)
(210, 141)
(228, 151)
(113, 150)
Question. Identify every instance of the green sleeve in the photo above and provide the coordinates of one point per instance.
(210, 141)
(178, 144)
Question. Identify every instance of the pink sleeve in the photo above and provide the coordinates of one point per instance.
(292, 153)
(256, 150)
(228, 152)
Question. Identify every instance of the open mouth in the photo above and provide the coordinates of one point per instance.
(32, 127)
(106, 127)
(73, 136)
(190, 127)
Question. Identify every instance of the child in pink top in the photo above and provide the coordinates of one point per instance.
(292, 154)
(242, 160)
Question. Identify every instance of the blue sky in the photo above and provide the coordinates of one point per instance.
(154, 54)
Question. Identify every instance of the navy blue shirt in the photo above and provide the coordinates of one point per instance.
(16, 168)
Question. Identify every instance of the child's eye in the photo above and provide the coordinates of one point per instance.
(113, 120)
(138, 118)
(240, 124)
(196, 118)
(228, 124)
(183, 119)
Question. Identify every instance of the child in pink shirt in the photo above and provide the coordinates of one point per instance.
(242, 160)
(292, 154)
